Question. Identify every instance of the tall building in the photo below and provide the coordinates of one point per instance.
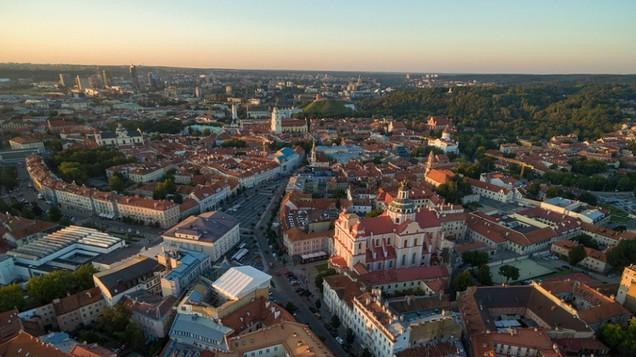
(134, 77)
(626, 294)
(81, 83)
(105, 79)
(65, 80)
(276, 122)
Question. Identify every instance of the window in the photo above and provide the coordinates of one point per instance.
(403, 259)
(405, 244)
(414, 257)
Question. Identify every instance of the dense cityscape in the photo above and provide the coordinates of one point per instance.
(165, 211)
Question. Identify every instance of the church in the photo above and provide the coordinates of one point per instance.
(282, 123)
(403, 236)
(121, 137)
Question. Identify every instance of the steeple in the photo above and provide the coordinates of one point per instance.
(276, 122)
(402, 207)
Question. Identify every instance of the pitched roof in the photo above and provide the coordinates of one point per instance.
(23, 345)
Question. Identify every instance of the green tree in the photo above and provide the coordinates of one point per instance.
(116, 183)
(509, 272)
(621, 338)
(485, 278)
(462, 281)
(72, 171)
(475, 258)
(576, 254)
(11, 296)
(350, 336)
(55, 214)
(291, 307)
(622, 254)
(335, 321)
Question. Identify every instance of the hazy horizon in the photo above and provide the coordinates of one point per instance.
(464, 37)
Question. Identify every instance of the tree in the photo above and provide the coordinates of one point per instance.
(55, 214)
(485, 278)
(509, 272)
(335, 321)
(462, 281)
(72, 171)
(44, 288)
(475, 258)
(291, 307)
(350, 336)
(11, 297)
(116, 183)
(622, 254)
(576, 254)
(621, 338)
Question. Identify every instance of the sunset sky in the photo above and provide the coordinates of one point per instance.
(566, 36)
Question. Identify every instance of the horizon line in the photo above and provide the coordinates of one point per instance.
(331, 70)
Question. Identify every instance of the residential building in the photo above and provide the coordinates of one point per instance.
(152, 312)
(80, 309)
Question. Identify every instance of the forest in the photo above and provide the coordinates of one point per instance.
(505, 113)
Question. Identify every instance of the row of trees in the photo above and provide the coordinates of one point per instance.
(114, 327)
(80, 164)
(43, 289)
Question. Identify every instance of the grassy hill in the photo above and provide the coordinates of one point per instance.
(326, 108)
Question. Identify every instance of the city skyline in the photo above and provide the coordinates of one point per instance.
(463, 37)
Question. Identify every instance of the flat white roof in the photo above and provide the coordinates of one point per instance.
(240, 281)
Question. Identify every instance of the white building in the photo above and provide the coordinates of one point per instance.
(121, 137)
(213, 233)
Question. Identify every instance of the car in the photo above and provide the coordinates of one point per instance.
(339, 340)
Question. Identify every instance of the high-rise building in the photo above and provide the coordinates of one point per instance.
(81, 83)
(65, 80)
(134, 77)
(105, 78)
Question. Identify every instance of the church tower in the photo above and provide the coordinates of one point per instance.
(312, 158)
(276, 122)
(446, 136)
(402, 208)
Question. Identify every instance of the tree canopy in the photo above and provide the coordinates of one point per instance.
(509, 272)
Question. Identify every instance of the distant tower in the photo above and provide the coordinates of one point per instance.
(277, 123)
(234, 113)
(63, 80)
(78, 82)
(105, 79)
(429, 163)
(198, 92)
(134, 77)
(446, 136)
(313, 158)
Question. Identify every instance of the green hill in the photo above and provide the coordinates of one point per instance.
(326, 108)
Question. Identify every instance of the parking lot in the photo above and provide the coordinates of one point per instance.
(249, 205)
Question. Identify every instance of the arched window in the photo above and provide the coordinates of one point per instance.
(406, 244)
(403, 259)
(414, 257)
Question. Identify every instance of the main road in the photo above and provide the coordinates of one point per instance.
(282, 290)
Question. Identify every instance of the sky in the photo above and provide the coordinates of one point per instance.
(486, 36)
